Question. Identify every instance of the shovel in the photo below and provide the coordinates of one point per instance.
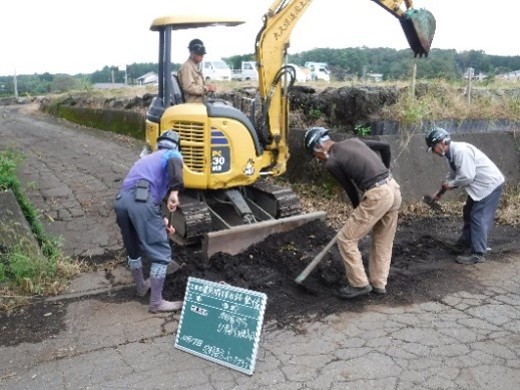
(303, 275)
(430, 200)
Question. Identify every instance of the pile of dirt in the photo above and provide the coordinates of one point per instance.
(423, 268)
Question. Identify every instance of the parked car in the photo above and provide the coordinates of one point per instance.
(215, 70)
(301, 76)
(246, 72)
(319, 70)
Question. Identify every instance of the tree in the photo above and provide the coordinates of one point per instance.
(64, 83)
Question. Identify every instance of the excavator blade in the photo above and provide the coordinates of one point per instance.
(238, 238)
(419, 27)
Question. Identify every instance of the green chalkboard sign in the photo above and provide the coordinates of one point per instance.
(221, 323)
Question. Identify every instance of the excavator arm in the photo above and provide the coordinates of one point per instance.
(271, 47)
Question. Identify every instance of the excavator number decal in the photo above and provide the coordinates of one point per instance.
(219, 159)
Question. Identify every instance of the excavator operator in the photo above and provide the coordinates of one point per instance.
(190, 75)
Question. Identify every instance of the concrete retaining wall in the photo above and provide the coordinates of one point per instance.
(417, 171)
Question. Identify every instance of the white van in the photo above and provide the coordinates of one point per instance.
(215, 70)
(319, 70)
(247, 72)
(301, 76)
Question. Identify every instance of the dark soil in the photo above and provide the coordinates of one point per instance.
(423, 269)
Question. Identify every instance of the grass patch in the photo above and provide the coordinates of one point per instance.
(334, 201)
(440, 99)
(25, 275)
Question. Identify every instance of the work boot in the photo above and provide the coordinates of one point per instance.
(137, 273)
(472, 259)
(458, 248)
(348, 291)
(157, 303)
(379, 290)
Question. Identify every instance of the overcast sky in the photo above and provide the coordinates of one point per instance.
(57, 36)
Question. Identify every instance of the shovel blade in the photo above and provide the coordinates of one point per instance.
(173, 267)
(432, 203)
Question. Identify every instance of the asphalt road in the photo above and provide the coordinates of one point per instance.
(90, 338)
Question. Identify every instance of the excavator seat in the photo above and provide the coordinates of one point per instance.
(177, 96)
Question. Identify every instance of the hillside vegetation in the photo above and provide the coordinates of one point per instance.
(349, 105)
(345, 64)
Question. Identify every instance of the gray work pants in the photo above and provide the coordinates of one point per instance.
(142, 228)
(478, 217)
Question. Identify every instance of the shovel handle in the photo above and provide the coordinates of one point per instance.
(303, 275)
(439, 193)
(442, 191)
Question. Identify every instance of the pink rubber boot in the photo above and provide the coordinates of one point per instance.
(136, 268)
(157, 303)
(143, 286)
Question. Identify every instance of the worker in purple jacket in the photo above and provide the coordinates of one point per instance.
(152, 179)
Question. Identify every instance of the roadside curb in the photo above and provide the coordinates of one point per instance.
(96, 283)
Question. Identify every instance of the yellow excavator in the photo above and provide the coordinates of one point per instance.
(229, 153)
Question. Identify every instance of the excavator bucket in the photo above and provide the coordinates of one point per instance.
(419, 27)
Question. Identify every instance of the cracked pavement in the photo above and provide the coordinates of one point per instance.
(464, 340)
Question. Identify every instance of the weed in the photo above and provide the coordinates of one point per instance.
(362, 130)
(315, 114)
(22, 271)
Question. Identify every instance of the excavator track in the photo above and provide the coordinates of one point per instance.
(191, 220)
(279, 201)
(194, 222)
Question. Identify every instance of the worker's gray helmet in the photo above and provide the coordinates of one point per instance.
(169, 139)
(313, 136)
(436, 135)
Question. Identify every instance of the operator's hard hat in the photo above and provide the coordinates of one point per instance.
(197, 46)
(313, 136)
(169, 139)
(436, 135)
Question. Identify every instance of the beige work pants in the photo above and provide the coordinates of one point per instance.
(378, 213)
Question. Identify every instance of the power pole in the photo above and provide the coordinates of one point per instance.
(471, 71)
(414, 79)
(15, 85)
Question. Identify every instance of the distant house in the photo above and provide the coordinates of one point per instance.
(513, 76)
(108, 85)
(148, 78)
(375, 77)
